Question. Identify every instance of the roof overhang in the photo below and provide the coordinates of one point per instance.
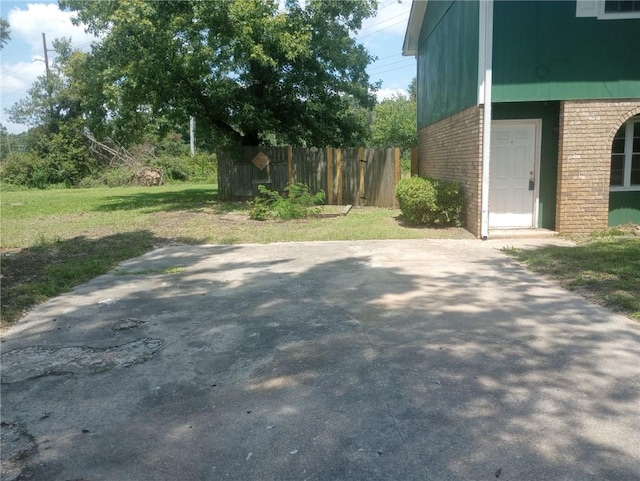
(412, 35)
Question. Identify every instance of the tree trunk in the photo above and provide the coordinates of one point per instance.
(251, 139)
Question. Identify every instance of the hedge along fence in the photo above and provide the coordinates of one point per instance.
(355, 176)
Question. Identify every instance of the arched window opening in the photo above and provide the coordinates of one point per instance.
(625, 156)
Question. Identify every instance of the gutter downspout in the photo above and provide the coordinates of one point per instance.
(486, 54)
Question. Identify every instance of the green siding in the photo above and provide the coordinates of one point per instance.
(549, 113)
(447, 60)
(541, 51)
(624, 207)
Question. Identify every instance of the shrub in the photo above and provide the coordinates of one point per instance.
(430, 201)
(298, 203)
(450, 201)
(202, 167)
(417, 199)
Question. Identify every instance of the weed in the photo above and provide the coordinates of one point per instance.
(174, 270)
(297, 204)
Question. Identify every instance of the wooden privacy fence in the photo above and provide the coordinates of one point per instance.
(355, 176)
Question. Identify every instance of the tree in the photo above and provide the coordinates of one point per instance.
(413, 90)
(5, 33)
(394, 124)
(243, 67)
(50, 100)
(53, 109)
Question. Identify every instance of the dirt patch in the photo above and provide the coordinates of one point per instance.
(31, 362)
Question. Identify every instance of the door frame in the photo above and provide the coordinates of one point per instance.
(537, 123)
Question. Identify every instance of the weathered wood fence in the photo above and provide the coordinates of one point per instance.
(356, 176)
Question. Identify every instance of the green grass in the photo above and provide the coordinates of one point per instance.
(53, 240)
(605, 268)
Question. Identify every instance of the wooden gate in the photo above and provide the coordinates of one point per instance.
(356, 176)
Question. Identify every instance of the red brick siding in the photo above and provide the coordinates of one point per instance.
(452, 149)
(587, 128)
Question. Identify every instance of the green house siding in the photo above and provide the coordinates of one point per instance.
(447, 60)
(541, 51)
(549, 113)
(624, 207)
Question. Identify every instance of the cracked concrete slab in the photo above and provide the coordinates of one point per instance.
(36, 361)
(385, 360)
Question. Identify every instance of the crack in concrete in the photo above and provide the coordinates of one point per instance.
(31, 362)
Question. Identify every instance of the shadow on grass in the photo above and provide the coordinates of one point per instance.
(607, 270)
(37, 273)
(402, 222)
(194, 199)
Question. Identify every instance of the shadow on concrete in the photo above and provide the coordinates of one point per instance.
(283, 362)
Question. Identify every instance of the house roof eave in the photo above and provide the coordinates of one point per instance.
(412, 35)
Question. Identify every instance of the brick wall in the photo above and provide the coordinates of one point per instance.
(587, 128)
(452, 149)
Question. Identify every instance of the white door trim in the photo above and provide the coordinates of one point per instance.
(537, 123)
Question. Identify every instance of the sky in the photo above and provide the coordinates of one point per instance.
(22, 58)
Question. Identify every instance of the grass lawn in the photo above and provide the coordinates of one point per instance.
(605, 269)
(53, 240)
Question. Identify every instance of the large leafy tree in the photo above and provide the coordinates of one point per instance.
(244, 67)
(394, 124)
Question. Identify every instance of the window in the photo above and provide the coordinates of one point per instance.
(608, 9)
(621, 6)
(625, 157)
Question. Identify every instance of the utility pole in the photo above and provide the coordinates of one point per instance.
(192, 135)
(46, 54)
(47, 81)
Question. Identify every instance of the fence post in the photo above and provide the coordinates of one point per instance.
(329, 176)
(290, 164)
(361, 162)
(339, 174)
(415, 162)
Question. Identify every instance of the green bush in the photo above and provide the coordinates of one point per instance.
(59, 158)
(450, 201)
(202, 167)
(430, 201)
(298, 203)
(417, 199)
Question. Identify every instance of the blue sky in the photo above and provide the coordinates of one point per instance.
(22, 59)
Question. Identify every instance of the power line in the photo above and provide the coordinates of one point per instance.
(393, 63)
(381, 29)
(18, 69)
(15, 91)
(391, 69)
(387, 19)
(388, 56)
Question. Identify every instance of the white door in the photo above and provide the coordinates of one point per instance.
(512, 173)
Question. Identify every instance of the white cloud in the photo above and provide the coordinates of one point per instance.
(383, 94)
(29, 25)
